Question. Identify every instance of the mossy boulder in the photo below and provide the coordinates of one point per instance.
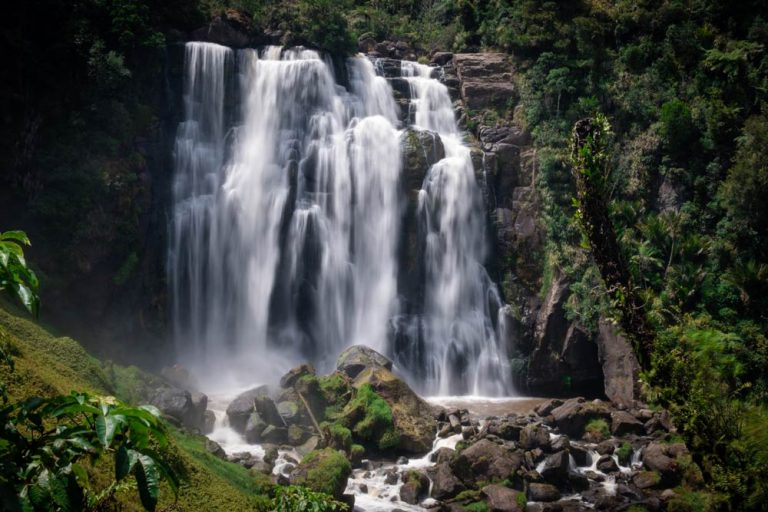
(420, 150)
(413, 419)
(325, 470)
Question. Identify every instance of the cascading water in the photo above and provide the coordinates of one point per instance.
(288, 208)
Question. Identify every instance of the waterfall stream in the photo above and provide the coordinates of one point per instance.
(288, 209)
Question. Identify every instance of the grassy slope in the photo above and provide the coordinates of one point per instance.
(47, 365)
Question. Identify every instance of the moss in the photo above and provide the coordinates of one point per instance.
(637, 508)
(357, 451)
(689, 501)
(324, 471)
(335, 388)
(468, 495)
(389, 440)
(598, 426)
(624, 453)
(370, 418)
(477, 506)
(339, 436)
(522, 502)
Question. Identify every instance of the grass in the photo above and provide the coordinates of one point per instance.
(598, 426)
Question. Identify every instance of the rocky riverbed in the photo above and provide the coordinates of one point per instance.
(386, 449)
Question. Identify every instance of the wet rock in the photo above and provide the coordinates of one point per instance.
(420, 150)
(605, 448)
(209, 422)
(289, 411)
(294, 374)
(273, 434)
(623, 423)
(391, 477)
(486, 461)
(270, 453)
(441, 58)
(579, 482)
(606, 464)
(445, 484)
(455, 422)
(441, 455)
(414, 488)
(534, 436)
(215, 449)
(555, 468)
(543, 492)
(413, 418)
(357, 358)
(309, 445)
(254, 427)
(580, 456)
(261, 467)
(503, 499)
(545, 408)
(297, 435)
(187, 408)
(240, 409)
(504, 429)
(661, 458)
(268, 410)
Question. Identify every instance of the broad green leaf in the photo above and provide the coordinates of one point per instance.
(125, 460)
(16, 235)
(148, 480)
(105, 429)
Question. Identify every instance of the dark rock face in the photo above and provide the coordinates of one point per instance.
(357, 358)
(662, 458)
(445, 485)
(239, 411)
(186, 408)
(555, 468)
(225, 31)
(620, 367)
(501, 499)
(623, 423)
(574, 414)
(543, 492)
(533, 436)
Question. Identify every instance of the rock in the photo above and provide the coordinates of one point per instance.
(294, 374)
(357, 358)
(254, 427)
(242, 406)
(580, 456)
(309, 445)
(503, 499)
(545, 408)
(441, 455)
(297, 435)
(262, 467)
(605, 448)
(578, 481)
(486, 461)
(534, 436)
(268, 410)
(445, 485)
(209, 422)
(414, 488)
(391, 477)
(504, 429)
(441, 58)
(413, 419)
(223, 32)
(660, 458)
(620, 367)
(185, 407)
(486, 80)
(455, 423)
(270, 453)
(574, 414)
(646, 479)
(606, 464)
(289, 411)
(215, 449)
(420, 150)
(324, 470)
(561, 443)
(623, 423)
(543, 492)
(555, 468)
(273, 434)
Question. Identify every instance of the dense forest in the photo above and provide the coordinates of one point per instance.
(681, 165)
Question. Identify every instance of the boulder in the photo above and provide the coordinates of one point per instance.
(242, 406)
(324, 471)
(274, 435)
(445, 484)
(572, 417)
(544, 409)
(543, 492)
(294, 374)
(413, 419)
(357, 358)
(415, 487)
(620, 367)
(534, 436)
(499, 498)
(215, 449)
(623, 423)
(443, 454)
(254, 427)
(504, 429)
(555, 468)
(181, 405)
(646, 480)
(486, 461)
(441, 58)
(661, 458)
(606, 464)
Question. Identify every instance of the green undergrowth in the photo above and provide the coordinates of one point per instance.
(46, 366)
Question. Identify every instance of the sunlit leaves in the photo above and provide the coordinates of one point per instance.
(15, 277)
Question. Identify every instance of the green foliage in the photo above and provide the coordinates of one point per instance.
(15, 277)
(476, 506)
(624, 453)
(300, 499)
(598, 426)
(327, 471)
(43, 466)
(370, 418)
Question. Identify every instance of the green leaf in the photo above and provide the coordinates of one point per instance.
(148, 479)
(105, 429)
(125, 460)
(18, 236)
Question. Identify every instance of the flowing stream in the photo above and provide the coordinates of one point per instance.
(288, 208)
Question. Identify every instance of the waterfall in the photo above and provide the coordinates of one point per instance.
(288, 205)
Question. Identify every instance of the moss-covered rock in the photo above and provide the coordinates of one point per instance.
(323, 471)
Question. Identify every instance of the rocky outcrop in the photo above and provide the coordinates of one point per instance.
(240, 409)
(486, 80)
(185, 407)
(357, 358)
(232, 29)
(413, 419)
(620, 367)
